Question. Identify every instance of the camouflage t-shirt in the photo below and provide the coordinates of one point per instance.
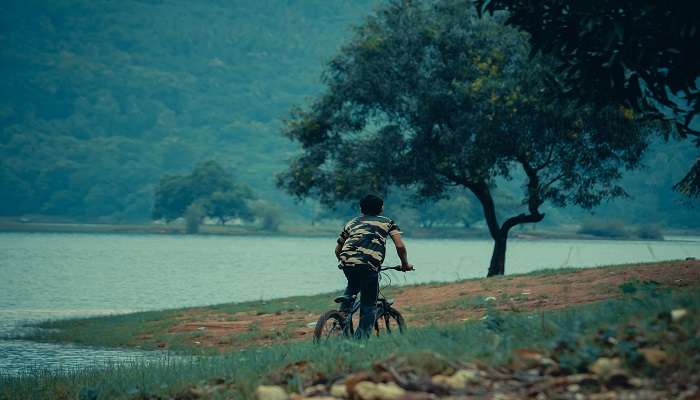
(365, 241)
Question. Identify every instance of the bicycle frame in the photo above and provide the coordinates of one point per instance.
(382, 303)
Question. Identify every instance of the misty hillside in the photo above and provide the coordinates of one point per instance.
(104, 97)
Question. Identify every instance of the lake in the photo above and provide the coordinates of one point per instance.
(66, 275)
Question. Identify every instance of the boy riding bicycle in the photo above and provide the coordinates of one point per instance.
(360, 251)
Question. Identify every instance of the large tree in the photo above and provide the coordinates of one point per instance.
(429, 96)
(642, 54)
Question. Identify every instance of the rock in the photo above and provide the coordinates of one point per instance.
(605, 366)
(271, 393)
(339, 391)
(314, 390)
(366, 390)
(637, 382)
(353, 379)
(678, 314)
(585, 382)
(574, 387)
(654, 357)
(526, 359)
(458, 381)
(610, 395)
(502, 396)
(317, 398)
(618, 379)
(197, 391)
(418, 396)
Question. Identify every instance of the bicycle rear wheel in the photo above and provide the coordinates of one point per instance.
(330, 325)
(389, 321)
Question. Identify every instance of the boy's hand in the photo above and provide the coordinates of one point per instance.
(407, 267)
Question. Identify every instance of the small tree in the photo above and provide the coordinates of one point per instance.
(225, 206)
(194, 214)
(210, 186)
(172, 197)
(270, 215)
(426, 94)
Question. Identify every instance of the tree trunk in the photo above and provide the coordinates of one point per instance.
(498, 258)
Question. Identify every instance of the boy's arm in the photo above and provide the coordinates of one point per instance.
(339, 248)
(401, 251)
(341, 241)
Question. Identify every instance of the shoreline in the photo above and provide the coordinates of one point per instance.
(8, 225)
(222, 328)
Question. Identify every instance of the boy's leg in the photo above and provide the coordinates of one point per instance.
(369, 288)
(352, 289)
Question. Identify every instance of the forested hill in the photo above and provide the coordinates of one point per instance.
(101, 97)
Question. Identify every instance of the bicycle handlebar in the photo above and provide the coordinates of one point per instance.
(397, 268)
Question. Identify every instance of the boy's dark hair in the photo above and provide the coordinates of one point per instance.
(371, 205)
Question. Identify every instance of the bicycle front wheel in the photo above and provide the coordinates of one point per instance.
(330, 325)
(389, 321)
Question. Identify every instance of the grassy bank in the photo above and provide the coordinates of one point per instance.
(231, 327)
(492, 339)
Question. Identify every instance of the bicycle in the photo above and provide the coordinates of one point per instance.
(334, 323)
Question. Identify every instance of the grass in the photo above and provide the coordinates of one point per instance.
(491, 340)
(153, 329)
(148, 330)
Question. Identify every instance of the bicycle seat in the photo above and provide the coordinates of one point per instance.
(343, 298)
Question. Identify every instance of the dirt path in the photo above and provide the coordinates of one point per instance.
(439, 303)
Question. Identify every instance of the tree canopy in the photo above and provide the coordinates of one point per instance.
(209, 189)
(641, 54)
(428, 95)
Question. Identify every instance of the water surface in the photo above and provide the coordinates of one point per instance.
(65, 275)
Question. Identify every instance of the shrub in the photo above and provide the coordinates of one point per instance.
(604, 228)
(193, 218)
(649, 231)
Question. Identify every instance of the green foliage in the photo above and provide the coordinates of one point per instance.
(208, 191)
(690, 184)
(229, 204)
(639, 54)
(269, 214)
(478, 108)
(193, 217)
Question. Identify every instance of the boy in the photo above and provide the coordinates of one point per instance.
(360, 251)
